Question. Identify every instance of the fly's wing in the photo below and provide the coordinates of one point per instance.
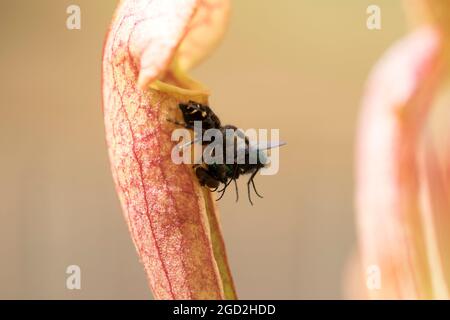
(272, 145)
(238, 146)
(255, 150)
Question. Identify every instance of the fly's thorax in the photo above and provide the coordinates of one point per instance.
(221, 172)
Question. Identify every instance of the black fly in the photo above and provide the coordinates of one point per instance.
(212, 175)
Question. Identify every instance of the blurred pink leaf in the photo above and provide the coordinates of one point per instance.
(393, 216)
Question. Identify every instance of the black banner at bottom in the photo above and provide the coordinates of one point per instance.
(242, 309)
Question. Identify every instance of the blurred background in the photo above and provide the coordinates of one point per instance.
(296, 65)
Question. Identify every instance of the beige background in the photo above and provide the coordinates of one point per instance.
(296, 65)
